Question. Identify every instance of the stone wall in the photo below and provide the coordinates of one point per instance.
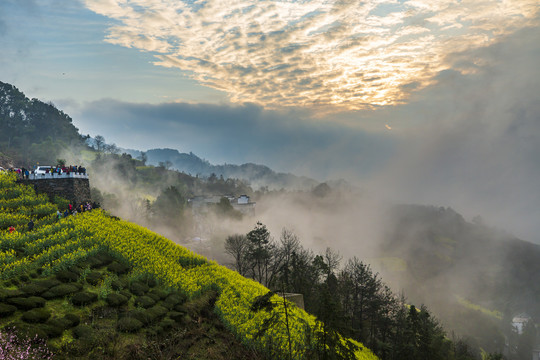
(75, 190)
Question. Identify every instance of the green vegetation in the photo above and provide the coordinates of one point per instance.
(61, 272)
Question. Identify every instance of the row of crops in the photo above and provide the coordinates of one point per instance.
(55, 245)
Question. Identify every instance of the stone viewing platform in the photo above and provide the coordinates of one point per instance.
(57, 176)
(73, 187)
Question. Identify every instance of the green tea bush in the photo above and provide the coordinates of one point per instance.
(83, 298)
(27, 303)
(61, 290)
(116, 300)
(39, 315)
(6, 310)
(129, 324)
(138, 288)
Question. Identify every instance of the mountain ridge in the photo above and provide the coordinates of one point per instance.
(257, 174)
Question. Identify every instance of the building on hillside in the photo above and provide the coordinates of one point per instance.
(201, 203)
(243, 205)
(243, 199)
(519, 322)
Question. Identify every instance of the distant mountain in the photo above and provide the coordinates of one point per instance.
(257, 175)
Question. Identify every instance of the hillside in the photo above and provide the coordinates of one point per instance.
(31, 130)
(257, 175)
(88, 265)
(474, 277)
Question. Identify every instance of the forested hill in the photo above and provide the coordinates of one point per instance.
(451, 264)
(31, 130)
(258, 175)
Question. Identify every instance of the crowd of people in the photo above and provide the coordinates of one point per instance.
(24, 173)
(71, 210)
(66, 170)
(74, 210)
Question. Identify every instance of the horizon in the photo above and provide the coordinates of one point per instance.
(417, 101)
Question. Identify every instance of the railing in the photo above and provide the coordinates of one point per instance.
(65, 175)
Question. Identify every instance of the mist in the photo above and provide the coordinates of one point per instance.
(466, 147)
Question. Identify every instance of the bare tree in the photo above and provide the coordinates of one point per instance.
(99, 143)
(236, 246)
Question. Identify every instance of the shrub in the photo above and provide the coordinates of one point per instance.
(60, 290)
(104, 258)
(67, 276)
(118, 268)
(39, 315)
(129, 324)
(83, 298)
(82, 332)
(48, 283)
(153, 296)
(126, 293)
(6, 310)
(174, 299)
(32, 331)
(140, 315)
(76, 269)
(27, 303)
(156, 312)
(33, 288)
(53, 329)
(72, 320)
(145, 301)
(177, 316)
(9, 293)
(118, 284)
(167, 323)
(93, 277)
(116, 299)
(161, 294)
(138, 288)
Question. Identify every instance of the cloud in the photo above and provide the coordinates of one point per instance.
(475, 146)
(317, 53)
(284, 140)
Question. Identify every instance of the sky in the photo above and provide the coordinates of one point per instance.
(426, 101)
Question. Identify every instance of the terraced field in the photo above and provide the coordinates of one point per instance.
(92, 282)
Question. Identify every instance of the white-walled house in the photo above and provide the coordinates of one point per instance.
(519, 322)
(243, 199)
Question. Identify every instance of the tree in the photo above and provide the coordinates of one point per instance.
(143, 157)
(99, 143)
(111, 148)
(237, 246)
(170, 204)
(289, 245)
(224, 208)
(260, 253)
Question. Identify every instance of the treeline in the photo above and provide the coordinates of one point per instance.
(33, 131)
(349, 298)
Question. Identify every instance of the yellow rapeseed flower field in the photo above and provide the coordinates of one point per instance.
(54, 245)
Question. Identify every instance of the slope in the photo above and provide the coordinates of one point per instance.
(474, 277)
(55, 246)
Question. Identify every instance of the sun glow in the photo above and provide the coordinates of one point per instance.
(314, 53)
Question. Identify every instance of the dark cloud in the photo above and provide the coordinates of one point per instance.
(287, 141)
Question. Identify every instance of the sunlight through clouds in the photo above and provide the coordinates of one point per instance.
(331, 54)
